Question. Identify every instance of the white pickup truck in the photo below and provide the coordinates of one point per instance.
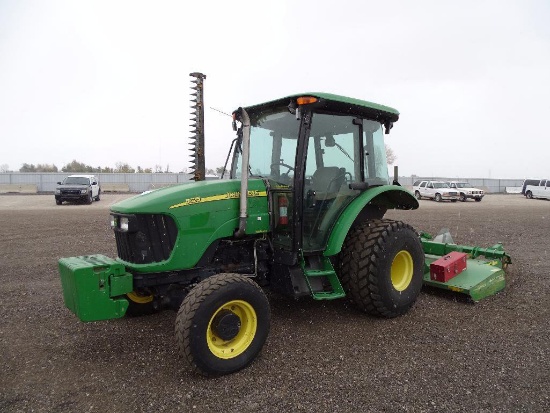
(542, 190)
(436, 190)
(467, 191)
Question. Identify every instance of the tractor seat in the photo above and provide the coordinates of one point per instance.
(327, 180)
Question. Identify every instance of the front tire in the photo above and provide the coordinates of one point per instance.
(58, 201)
(478, 199)
(98, 197)
(462, 198)
(417, 195)
(89, 198)
(140, 304)
(222, 324)
(529, 195)
(437, 198)
(381, 267)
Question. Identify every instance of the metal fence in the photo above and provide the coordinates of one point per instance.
(140, 182)
(489, 185)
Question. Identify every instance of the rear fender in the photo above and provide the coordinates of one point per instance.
(380, 198)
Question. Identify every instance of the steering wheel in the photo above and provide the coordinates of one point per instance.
(290, 168)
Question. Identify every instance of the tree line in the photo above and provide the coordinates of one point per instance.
(80, 167)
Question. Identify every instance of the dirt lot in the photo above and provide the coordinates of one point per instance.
(444, 355)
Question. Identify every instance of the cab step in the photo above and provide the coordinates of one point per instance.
(326, 271)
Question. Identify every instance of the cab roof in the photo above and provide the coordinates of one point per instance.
(337, 103)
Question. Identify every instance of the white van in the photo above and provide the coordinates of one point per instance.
(540, 190)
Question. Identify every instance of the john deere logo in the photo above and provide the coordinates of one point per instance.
(220, 197)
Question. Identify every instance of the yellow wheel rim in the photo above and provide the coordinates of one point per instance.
(227, 349)
(402, 270)
(139, 298)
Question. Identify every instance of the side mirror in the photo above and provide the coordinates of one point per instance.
(94, 183)
(59, 183)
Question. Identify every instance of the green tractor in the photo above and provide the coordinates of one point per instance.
(302, 214)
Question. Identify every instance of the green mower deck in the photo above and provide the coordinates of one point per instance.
(479, 280)
(484, 273)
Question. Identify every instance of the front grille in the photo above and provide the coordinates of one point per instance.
(70, 191)
(150, 238)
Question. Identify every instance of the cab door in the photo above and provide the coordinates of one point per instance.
(341, 151)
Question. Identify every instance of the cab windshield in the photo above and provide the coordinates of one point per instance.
(273, 141)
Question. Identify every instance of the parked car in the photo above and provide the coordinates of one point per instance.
(540, 190)
(78, 188)
(436, 190)
(467, 191)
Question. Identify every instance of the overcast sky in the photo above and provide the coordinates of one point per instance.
(108, 81)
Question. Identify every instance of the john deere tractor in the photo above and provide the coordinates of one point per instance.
(302, 214)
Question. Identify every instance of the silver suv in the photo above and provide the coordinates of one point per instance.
(436, 190)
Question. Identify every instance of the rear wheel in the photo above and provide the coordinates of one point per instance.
(381, 267)
(437, 198)
(222, 324)
(417, 195)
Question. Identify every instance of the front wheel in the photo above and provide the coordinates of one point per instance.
(462, 198)
(222, 324)
(89, 198)
(417, 195)
(437, 197)
(529, 195)
(478, 199)
(381, 267)
(98, 197)
(58, 201)
(140, 303)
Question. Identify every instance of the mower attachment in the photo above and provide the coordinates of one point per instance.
(94, 287)
(484, 272)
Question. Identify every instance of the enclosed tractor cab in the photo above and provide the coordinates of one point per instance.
(302, 214)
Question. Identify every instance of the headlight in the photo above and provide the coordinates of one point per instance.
(58, 191)
(83, 191)
(124, 223)
(113, 222)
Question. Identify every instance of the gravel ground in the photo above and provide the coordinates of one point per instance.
(446, 354)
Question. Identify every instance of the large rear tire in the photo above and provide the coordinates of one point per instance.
(222, 324)
(381, 267)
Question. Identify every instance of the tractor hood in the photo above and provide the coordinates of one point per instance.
(201, 213)
(209, 195)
